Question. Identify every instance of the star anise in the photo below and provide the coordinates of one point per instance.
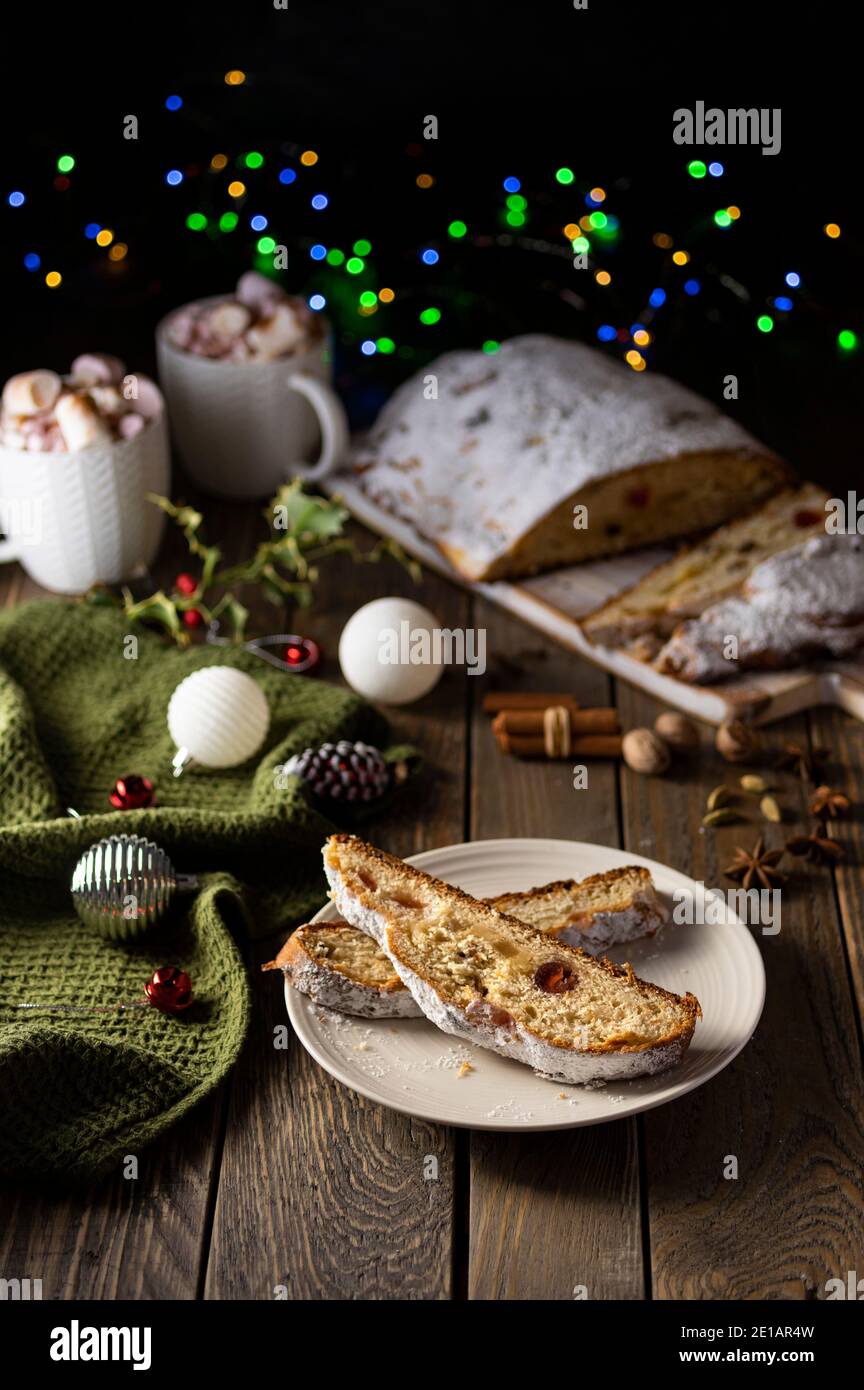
(807, 762)
(828, 804)
(758, 863)
(817, 847)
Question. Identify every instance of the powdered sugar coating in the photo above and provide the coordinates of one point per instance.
(607, 929)
(805, 602)
(557, 1063)
(332, 990)
(508, 437)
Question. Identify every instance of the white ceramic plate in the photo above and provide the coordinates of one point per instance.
(409, 1065)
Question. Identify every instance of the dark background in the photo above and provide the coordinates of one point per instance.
(515, 92)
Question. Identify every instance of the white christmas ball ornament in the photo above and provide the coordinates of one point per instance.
(391, 651)
(217, 717)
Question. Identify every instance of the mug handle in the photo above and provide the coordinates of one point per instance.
(8, 552)
(332, 421)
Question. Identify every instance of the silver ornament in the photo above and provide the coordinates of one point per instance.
(123, 885)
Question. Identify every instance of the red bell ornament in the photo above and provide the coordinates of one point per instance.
(169, 990)
(132, 793)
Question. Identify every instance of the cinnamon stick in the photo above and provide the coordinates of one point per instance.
(583, 746)
(582, 721)
(495, 700)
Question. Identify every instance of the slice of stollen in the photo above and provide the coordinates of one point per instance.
(800, 606)
(707, 571)
(497, 982)
(595, 913)
(341, 967)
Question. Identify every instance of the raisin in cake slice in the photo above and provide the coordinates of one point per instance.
(491, 466)
(708, 571)
(801, 605)
(342, 968)
(497, 982)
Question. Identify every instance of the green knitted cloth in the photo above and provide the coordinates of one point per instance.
(80, 1091)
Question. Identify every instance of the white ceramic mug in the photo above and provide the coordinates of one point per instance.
(76, 519)
(244, 428)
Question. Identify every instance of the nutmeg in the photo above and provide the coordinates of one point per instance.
(737, 741)
(646, 752)
(677, 730)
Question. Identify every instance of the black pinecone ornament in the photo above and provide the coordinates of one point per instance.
(342, 771)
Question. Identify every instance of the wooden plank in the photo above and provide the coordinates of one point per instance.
(120, 1238)
(322, 1193)
(843, 736)
(553, 1211)
(789, 1110)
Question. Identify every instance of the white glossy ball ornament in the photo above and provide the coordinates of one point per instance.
(385, 655)
(217, 717)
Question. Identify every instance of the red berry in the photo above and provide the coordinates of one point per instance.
(192, 618)
(186, 583)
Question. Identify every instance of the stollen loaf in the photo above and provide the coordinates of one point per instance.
(493, 456)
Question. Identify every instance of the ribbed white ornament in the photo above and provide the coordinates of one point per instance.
(217, 717)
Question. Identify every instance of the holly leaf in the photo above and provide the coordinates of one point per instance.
(307, 517)
(386, 546)
(99, 596)
(234, 612)
(210, 556)
(304, 528)
(158, 608)
(187, 517)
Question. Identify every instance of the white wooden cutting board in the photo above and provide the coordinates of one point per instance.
(552, 603)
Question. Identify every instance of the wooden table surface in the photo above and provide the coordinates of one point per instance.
(286, 1179)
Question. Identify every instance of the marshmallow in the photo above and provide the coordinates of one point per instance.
(37, 435)
(182, 328)
(97, 369)
(107, 400)
(258, 293)
(80, 421)
(279, 333)
(227, 320)
(31, 392)
(148, 402)
(130, 425)
(208, 345)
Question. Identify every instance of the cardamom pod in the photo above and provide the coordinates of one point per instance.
(723, 815)
(771, 809)
(755, 784)
(719, 797)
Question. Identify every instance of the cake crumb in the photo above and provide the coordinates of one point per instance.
(464, 1069)
(361, 1047)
